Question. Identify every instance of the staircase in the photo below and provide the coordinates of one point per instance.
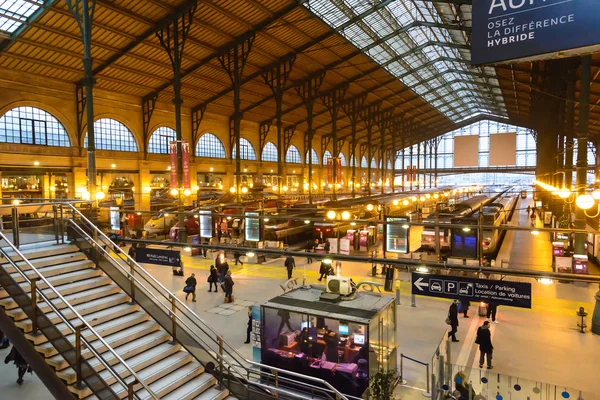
(168, 369)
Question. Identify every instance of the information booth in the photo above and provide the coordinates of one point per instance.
(341, 342)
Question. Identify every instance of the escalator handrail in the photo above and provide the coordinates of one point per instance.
(75, 313)
(189, 312)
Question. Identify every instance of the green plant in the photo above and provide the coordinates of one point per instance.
(381, 385)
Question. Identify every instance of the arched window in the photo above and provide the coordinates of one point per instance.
(364, 163)
(342, 158)
(160, 140)
(247, 151)
(210, 146)
(112, 135)
(292, 155)
(314, 158)
(373, 163)
(353, 161)
(269, 152)
(30, 125)
(326, 156)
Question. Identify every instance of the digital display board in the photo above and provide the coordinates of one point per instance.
(252, 226)
(205, 221)
(396, 237)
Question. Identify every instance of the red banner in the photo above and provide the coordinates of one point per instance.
(330, 171)
(414, 173)
(173, 154)
(338, 171)
(185, 151)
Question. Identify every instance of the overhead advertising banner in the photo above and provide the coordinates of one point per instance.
(169, 258)
(500, 293)
(185, 161)
(507, 30)
(173, 164)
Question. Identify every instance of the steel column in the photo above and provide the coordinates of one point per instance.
(83, 11)
(172, 38)
(332, 100)
(582, 147)
(352, 109)
(570, 123)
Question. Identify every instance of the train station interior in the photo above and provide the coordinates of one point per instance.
(299, 199)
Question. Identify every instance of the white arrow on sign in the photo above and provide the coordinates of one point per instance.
(420, 284)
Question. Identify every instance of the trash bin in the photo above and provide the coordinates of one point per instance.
(483, 309)
(581, 319)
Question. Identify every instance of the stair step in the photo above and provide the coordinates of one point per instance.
(60, 280)
(166, 384)
(46, 261)
(54, 270)
(44, 250)
(74, 299)
(149, 346)
(69, 288)
(147, 370)
(201, 387)
(104, 329)
(115, 340)
(94, 319)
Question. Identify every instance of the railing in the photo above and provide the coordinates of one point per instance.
(231, 364)
(77, 330)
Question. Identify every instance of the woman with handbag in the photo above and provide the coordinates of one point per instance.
(213, 278)
(190, 287)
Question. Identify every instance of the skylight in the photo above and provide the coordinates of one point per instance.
(428, 59)
(14, 13)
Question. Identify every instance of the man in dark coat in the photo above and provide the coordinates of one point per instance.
(453, 317)
(191, 283)
(19, 361)
(249, 327)
(484, 340)
(465, 304)
(324, 270)
(290, 264)
(228, 286)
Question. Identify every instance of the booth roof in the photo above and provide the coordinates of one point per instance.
(362, 309)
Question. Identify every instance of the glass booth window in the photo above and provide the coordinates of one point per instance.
(328, 348)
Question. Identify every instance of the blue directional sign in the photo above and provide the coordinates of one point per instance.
(502, 293)
(523, 29)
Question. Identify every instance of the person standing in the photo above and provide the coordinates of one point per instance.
(190, 284)
(249, 328)
(228, 287)
(19, 362)
(219, 261)
(290, 264)
(323, 270)
(528, 210)
(491, 311)
(464, 305)
(484, 340)
(453, 320)
(236, 256)
(327, 246)
(532, 218)
(213, 278)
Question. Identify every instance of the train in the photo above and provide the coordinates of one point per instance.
(445, 216)
(497, 214)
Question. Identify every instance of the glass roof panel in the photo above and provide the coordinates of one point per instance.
(414, 51)
(14, 13)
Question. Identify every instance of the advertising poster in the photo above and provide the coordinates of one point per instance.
(396, 237)
(185, 160)
(344, 246)
(252, 225)
(173, 164)
(506, 30)
(205, 221)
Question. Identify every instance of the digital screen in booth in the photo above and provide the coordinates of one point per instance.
(396, 236)
(252, 225)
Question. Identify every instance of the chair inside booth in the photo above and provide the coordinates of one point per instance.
(330, 349)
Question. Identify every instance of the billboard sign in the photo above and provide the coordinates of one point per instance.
(508, 30)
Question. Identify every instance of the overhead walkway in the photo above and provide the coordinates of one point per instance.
(94, 323)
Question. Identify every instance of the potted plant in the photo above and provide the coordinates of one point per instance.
(381, 385)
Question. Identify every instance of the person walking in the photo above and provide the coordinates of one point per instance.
(290, 264)
(132, 250)
(528, 210)
(464, 305)
(228, 287)
(190, 286)
(491, 312)
(324, 270)
(532, 218)
(453, 320)
(19, 362)
(236, 256)
(219, 263)
(249, 328)
(484, 340)
(213, 278)
(309, 259)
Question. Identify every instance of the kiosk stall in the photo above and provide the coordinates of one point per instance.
(342, 339)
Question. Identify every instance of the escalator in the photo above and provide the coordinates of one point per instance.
(92, 321)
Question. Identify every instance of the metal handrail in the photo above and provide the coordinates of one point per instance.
(217, 356)
(189, 312)
(76, 314)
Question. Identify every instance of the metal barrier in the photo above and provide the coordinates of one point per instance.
(427, 375)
